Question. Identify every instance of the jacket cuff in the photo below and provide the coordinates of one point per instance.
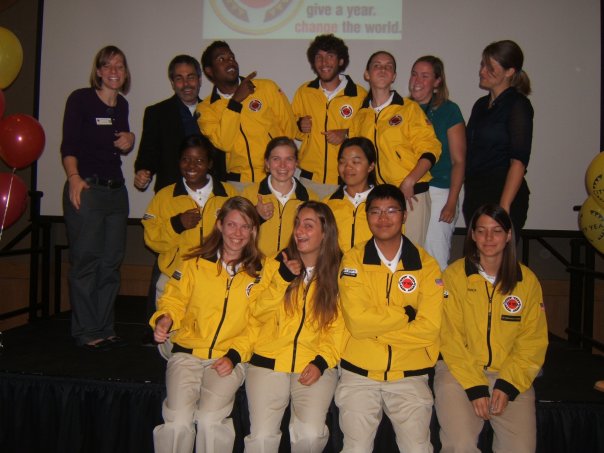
(410, 312)
(507, 388)
(234, 106)
(479, 391)
(233, 356)
(285, 273)
(177, 224)
(320, 363)
(429, 157)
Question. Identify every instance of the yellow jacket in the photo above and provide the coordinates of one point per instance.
(511, 341)
(319, 159)
(288, 342)
(210, 309)
(242, 130)
(352, 222)
(393, 318)
(402, 135)
(275, 232)
(164, 232)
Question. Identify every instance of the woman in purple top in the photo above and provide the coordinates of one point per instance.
(95, 201)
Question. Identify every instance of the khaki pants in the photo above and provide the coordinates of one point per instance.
(514, 431)
(197, 395)
(322, 190)
(268, 394)
(418, 219)
(407, 402)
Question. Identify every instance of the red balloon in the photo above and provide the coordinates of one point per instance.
(15, 196)
(2, 103)
(22, 140)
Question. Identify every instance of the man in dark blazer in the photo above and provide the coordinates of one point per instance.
(166, 124)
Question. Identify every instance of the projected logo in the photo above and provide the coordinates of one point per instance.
(255, 17)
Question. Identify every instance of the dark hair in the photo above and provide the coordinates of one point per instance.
(438, 67)
(368, 149)
(328, 43)
(325, 301)
(374, 54)
(208, 53)
(251, 257)
(280, 141)
(183, 59)
(197, 141)
(509, 55)
(509, 271)
(384, 191)
(101, 59)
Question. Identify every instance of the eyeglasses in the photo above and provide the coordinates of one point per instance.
(390, 212)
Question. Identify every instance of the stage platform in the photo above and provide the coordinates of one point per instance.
(55, 397)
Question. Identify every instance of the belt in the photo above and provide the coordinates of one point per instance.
(111, 183)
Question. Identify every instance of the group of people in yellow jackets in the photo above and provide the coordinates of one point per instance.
(267, 297)
(308, 301)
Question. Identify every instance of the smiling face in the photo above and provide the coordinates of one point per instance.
(327, 65)
(490, 237)
(422, 82)
(308, 235)
(224, 68)
(186, 83)
(281, 163)
(112, 73)
(354, 168)
(381, 72)
(237, 231)
(385, 219)
(194, 166)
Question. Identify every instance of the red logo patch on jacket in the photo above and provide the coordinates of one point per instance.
(512, 304)
(395, 120)
(407, 283)
(346, 111)
(255, 105)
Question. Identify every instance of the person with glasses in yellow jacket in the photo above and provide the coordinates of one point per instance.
(391, 296)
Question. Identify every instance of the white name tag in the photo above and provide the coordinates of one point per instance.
(104, 121)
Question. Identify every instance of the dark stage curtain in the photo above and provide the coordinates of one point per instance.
(48, 414)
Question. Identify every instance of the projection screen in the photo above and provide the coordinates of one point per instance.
(560, 39)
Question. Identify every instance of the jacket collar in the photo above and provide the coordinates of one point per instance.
(300, 192)
(410, 258)
(396, 100)
(338, 194)
(350, 90)
(180, 189)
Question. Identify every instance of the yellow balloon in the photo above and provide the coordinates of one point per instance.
(594, 179)
(11, 57)
(591, 220)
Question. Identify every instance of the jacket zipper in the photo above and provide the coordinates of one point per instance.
(490, 297)
(377, 152)
(299, 328)
(389, 281)
(224, 310)
(249, 154)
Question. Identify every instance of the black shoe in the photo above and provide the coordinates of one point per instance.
(116, 342)
(101, 346)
